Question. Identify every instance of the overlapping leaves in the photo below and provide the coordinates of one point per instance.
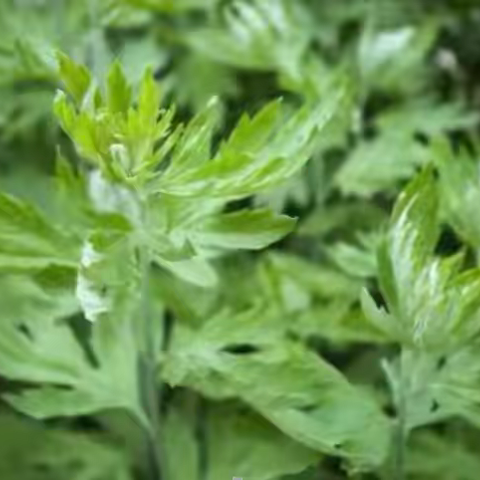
(182, 202)
(34, 452)
(236, 440)
(40, 347)
(433, 313)
(432, 304)
(292, 387)
(460, 189)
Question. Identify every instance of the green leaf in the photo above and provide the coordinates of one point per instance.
(195, 270)
(338, 322)
(28, 240)
(257, 36)
(92, 134)
(379, 164)
(180, 440)
(394, 154)
(237, 442)
(181, 224)
(320, 281)
(72, 204)
(435, 457)
(65, 112)
(39, 297)
(358, 261)
(197, 79)
(260, 153)
(75, 77)
(341, 218)
(387, 58)
(290, 386)
(427, 117)
(378, 317)
(438, 385)
(408, 248)
(460, 189)
(250, 229)
(148, 100)
(118, 91)
(34, 452)
(243, 443)
(193, 146)
(69, 377)
(189, 302)
(433, 304)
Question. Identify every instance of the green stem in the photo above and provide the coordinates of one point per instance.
(400, 434)
(150, 391)
(201, 436)
(150, 387)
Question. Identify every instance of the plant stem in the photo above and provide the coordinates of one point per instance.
(149, 378)
(201, 436)
(400, 434)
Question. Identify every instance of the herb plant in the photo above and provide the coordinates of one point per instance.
(239, 239)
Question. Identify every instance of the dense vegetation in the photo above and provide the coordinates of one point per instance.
(239, 239)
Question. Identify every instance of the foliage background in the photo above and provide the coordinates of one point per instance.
(411, 68)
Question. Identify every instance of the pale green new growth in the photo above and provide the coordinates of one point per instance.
(175, 210)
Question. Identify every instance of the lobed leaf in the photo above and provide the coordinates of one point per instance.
(293, 388)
